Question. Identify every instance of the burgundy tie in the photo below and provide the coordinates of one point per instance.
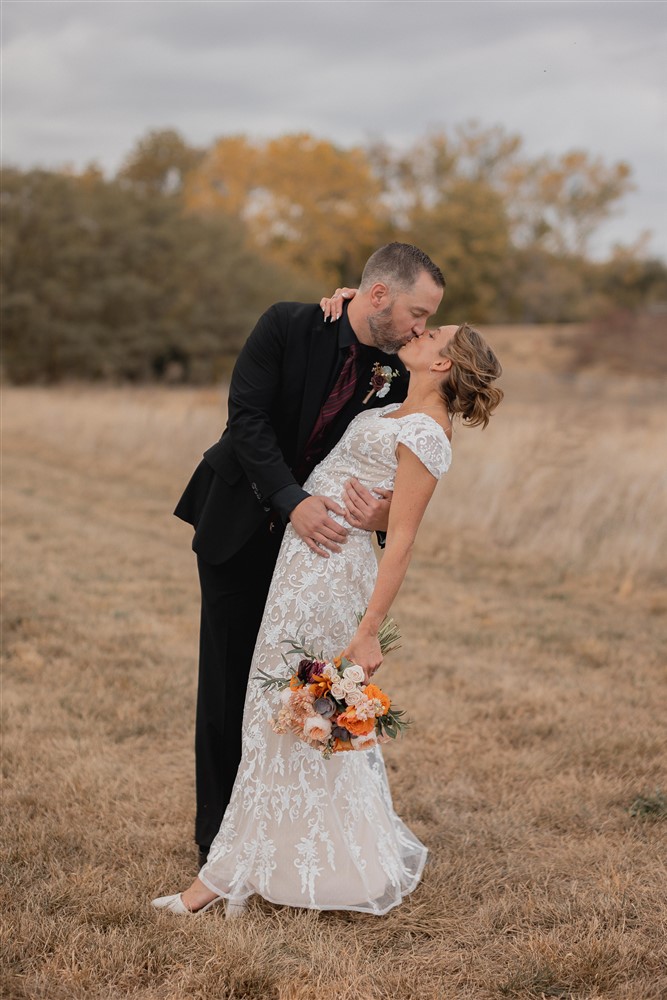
(341, 393)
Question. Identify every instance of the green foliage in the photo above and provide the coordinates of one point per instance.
(392, 724)
(271, 683)
(389, 633)
(107, 279)
(160, 163)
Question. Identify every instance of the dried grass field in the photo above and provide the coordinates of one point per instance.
(534, 621)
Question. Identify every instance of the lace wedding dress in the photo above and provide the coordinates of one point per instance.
(301, 830)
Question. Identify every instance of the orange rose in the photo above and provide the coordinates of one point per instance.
(373, 692)
(358, 727)
(319, 686)
(295, 683)
(342, 745)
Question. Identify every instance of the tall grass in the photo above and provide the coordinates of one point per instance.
(571, 469)
(533, 667)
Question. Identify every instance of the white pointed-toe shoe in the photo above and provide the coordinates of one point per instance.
(175, 904)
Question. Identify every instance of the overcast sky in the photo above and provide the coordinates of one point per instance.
(82, 81)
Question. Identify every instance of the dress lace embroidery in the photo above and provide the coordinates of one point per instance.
(301, 830)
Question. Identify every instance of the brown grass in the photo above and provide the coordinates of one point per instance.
(533, 619)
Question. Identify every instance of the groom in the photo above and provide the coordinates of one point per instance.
(296, 386)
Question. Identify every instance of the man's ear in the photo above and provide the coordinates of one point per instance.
(379, 295)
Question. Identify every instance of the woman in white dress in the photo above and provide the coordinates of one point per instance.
(320, 833)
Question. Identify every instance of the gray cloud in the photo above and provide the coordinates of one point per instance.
(82, 81)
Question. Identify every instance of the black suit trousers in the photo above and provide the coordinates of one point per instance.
(233, 598)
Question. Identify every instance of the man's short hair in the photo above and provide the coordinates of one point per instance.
(398, 265)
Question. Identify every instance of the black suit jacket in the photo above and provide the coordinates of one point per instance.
(277, 389)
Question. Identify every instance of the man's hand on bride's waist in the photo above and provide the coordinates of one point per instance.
(366, 510)
(311, 521)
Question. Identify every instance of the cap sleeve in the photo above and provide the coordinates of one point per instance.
(426, 439)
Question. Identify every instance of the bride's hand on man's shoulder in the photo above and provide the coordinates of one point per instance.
(333, 307)
(364, 650)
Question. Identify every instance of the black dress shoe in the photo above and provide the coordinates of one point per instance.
(203, 855)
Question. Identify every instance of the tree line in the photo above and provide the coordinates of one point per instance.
(161, 270)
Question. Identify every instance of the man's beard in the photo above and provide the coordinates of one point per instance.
(384, 336)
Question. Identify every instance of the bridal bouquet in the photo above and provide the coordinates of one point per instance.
(329, 706)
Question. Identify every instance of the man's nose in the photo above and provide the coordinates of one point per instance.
(419, 327)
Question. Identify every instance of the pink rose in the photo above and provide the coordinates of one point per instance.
(355, 697)
(354, 673)
(317, 728)
(364, 742)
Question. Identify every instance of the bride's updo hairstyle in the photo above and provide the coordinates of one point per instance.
(467, 388)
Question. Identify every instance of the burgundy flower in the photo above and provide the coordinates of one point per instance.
(308, 670)
(304, 670)
(381, 379)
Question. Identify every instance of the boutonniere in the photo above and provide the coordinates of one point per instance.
(381, 380)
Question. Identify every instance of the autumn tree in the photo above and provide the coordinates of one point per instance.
(441, 199)
(511, 233)
(307, 203)
(163, 269)
(102, 281)
(559, 202)
(159, 163)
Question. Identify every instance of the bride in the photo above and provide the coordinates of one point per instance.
(301, 830)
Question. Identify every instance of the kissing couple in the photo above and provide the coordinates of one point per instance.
(322, 448)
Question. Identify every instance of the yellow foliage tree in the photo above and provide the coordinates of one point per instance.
(224, 179)
(443, 199)
(307, 203)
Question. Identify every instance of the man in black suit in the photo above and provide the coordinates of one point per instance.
(295, 387)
